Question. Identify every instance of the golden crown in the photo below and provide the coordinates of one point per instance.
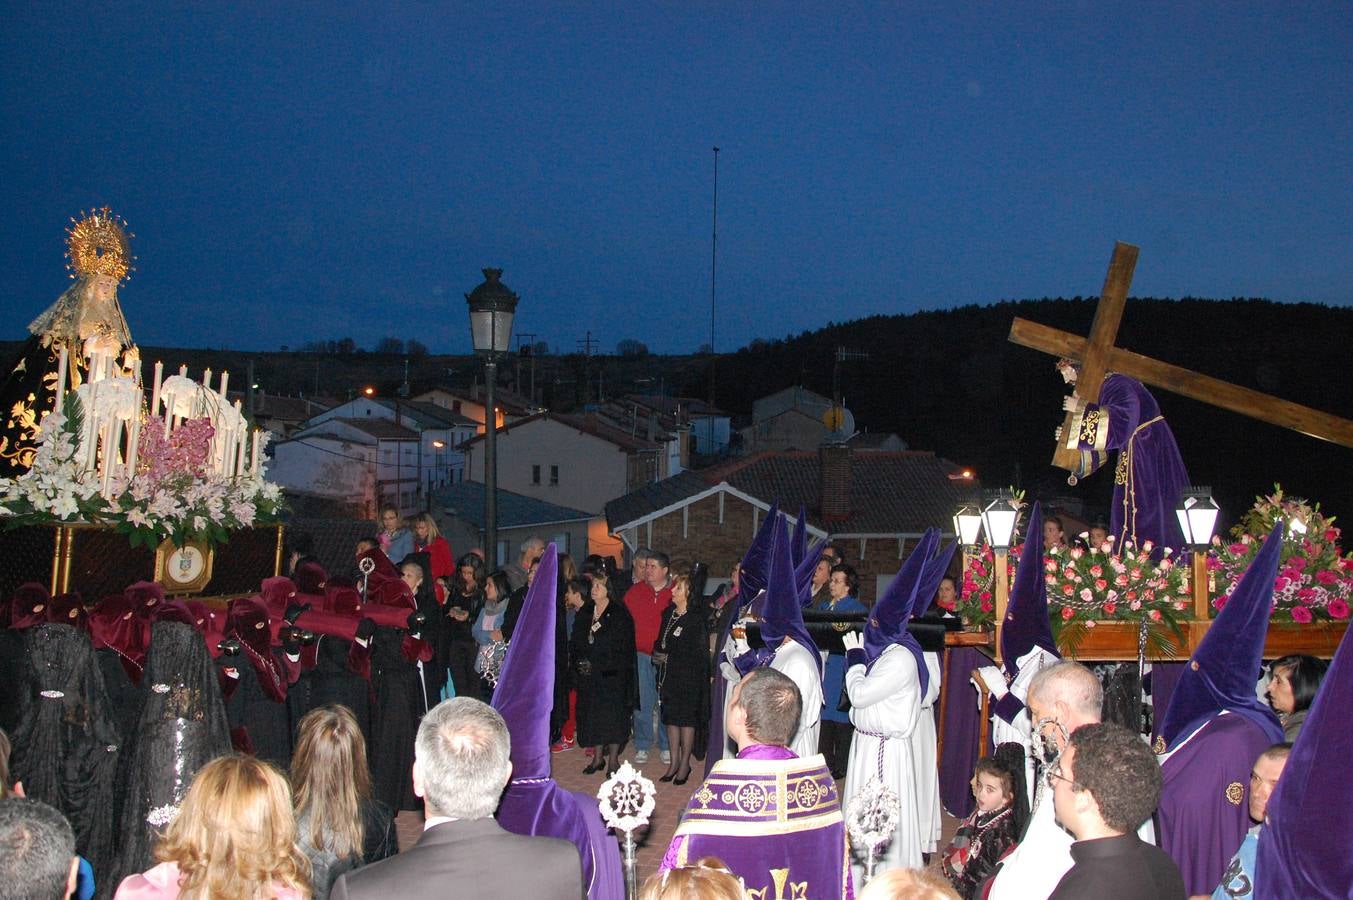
(98, 244)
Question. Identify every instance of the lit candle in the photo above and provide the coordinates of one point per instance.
(133, 445)
(206, 379)
(183, 370)
(62, 364)
(155, 391)
(225, 379)
(106, 461)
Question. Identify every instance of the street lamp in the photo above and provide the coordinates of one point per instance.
(968, 524)
(1197, 513)
(492, 306)
(998, 520)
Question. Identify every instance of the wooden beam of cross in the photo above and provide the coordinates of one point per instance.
(1098, 356)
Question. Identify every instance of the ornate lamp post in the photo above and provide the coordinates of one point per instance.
(968, 528)
(492, 307)
(998, 520)
(1197, 513)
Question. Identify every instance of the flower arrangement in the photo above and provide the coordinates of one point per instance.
(1087, 586)
(170, 495)
(1315, 577)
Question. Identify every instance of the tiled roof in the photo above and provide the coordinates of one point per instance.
(427, 415)
(891, 492)
(514, 510)
(669, 405)
(587, 424)
(378, 428)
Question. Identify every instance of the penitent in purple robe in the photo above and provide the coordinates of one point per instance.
(1204, 809)
(1150, 473)
(774, 819)
(534, 803)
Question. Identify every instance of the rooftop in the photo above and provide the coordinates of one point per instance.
(466, 500)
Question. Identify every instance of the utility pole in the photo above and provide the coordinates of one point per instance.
(713, 268)
(587, 343)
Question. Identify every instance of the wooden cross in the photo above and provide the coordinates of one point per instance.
(1098, 356)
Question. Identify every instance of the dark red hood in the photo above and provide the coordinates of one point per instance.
(28, 606)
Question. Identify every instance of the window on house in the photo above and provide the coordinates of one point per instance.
(554, 475)
(535, 474)
(561, 540)
(388, 454)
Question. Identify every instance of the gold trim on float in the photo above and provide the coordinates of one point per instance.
(277, 560)
(67, 556)
(56, 559)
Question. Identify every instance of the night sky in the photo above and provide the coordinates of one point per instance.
(320, 172)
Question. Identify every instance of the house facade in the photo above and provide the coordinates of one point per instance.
(459, 511)
(363, 462)
(874, 505)
(578, 462)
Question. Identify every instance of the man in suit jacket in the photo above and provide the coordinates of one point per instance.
(461, 765)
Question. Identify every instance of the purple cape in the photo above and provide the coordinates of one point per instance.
(1204, 801)
(774, 819)
(1151, 471)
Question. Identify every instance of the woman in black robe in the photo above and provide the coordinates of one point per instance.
(255, 686)
(397, 708)
(681, 656)
(118, 636)
(463, 603)
(27, 609)
(66, 745)
(181, 728)
(602, 656)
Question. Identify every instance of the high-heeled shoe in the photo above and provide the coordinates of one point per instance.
(683, 779)
(667, 777)
(593, 767)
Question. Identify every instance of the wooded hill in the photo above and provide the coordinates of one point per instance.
(950, 381)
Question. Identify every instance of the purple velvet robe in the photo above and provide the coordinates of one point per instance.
(774, 819)
(539, 806)
(1204, 803)
(1150, 472)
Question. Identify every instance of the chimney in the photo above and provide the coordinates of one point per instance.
(833, 460)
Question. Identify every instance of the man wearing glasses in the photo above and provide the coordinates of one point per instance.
(1105, 784)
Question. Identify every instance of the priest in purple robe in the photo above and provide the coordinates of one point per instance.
(773, 818)
(1304, 850)
(1215, 728)
(1150, 473)
(534, 803)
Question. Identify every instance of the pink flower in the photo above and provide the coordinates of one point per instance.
(1147, 546)
(1331, 534)
(1110, 607)
(1068, 589)
(985, 596)
(1155, 615)
(1067, 613)
(1306, 596)
(1325, 576)
(1166, 565)
(1050, 578)
(1089, 623)
(1100, 584)
(986, 606)
(1096, 570)
(1086, 595)
(1049, 566)
(1337, 609)
(1135, 573)
(1135, 604)
(1301, 614)
(1111, 596)
(1077, 552)
(1237, 549)
(1181, 605)
(1121, 581)
(1279, 584)
(1297, 562)
(1219, 603)
(1068, 572)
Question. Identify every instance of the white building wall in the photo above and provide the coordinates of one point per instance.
(592, 471)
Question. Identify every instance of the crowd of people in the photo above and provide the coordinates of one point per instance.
(164, 748)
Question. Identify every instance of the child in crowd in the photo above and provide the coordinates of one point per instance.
(994, 826)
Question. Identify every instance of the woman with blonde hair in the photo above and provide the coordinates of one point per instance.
(708, 879)
(339, 825)
(234, 838)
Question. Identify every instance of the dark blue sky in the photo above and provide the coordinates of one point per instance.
(318, 173)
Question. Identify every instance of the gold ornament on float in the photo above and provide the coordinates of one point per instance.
(97, 244)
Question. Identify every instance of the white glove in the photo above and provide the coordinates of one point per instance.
(994, 681)
(851, 640)
(735, 647)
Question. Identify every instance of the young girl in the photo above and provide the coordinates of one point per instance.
(994, 826)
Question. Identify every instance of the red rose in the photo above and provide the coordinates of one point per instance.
(1155, 615)
(1067, 613)
(1068, 589)
(1100, 584)
(986, 606)
(1110, 608)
